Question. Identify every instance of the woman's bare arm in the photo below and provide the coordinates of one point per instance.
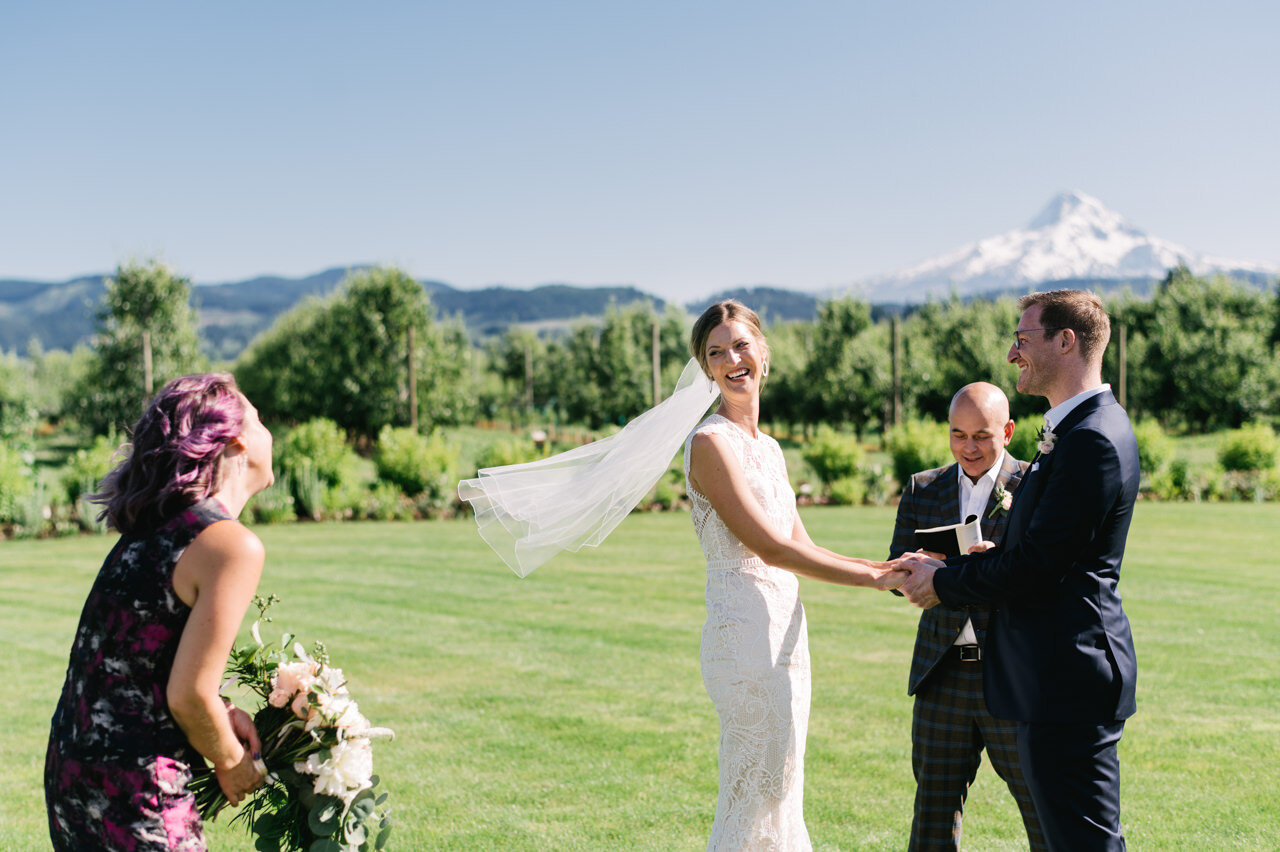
(216, 576)
(715, 473)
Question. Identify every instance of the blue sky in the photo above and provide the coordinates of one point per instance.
(681, 147)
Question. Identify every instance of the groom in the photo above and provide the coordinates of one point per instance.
(1059, 655)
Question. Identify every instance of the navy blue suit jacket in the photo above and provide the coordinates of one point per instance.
(1059, 648)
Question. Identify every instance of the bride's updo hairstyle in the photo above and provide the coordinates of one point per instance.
(174, 458)
(730, 310)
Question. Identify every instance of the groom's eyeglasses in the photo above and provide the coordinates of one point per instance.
(1017, 335)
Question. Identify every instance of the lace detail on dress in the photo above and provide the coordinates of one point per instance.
(766, 472)
(755, 661)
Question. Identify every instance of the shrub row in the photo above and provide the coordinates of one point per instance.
(406, 475)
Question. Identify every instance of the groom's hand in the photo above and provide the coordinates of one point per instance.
(918, 588)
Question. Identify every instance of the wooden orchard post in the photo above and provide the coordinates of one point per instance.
(148, 381)
(1124, 390)
(895, 341)
(413, 382)
(657, 364)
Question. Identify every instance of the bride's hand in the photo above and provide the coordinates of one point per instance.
(892, 578)
(896, 572)
(900, 569)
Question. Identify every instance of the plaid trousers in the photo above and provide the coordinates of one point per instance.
(950, 726)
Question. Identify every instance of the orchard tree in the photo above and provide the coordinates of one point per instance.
(519, 358)
(963, 342)
(574, 382)
(447, 395)
(57, 376)
(1144, 371)
(146, 336)
(1275, 313)
(18, 411)
(280, 372)
(784, 395)
(1208, 343)
(347, 358)
(849, 374)
(602, 373)
(366, 347)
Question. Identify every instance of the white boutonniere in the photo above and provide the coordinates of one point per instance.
(1004, 502)
(1045, 440)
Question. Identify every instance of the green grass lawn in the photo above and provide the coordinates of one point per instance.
(566, 711)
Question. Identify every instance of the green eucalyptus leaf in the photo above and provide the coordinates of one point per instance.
(323, 818)
(362, 805)
(355, 833)
(382, 837)
(307, 795)
(325, 844)
(381, 798)
(269, 825)
(289, 776)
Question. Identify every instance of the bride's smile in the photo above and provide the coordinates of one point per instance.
(736, 358)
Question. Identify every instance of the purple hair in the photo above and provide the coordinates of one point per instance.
(174, 458)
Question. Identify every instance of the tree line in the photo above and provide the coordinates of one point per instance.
(1200, 354)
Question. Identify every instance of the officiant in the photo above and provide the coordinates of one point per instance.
(950, 724)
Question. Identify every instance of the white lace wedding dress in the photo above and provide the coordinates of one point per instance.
(755, 662)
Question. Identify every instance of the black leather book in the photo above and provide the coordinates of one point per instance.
(951, 540)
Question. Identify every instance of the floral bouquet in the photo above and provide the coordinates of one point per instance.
(317, 749)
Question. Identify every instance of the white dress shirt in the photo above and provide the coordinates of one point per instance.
(973, 501)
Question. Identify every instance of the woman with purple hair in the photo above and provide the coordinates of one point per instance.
(140, 704)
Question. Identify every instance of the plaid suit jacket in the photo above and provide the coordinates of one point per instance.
(932, 499)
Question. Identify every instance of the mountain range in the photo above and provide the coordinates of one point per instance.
(1074, 238)
(1074, 241)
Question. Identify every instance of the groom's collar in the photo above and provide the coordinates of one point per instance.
(1054, 416)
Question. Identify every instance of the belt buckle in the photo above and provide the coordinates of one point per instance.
(970, 653)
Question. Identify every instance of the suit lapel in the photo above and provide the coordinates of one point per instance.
(1041, 466)
(1008, 478)
(949, 486)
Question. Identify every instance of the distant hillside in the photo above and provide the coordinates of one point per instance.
(771, 303)
(231, 315)
(493, 309)
(57, 315)
(61, 315)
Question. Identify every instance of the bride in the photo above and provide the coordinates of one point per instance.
(755, 647)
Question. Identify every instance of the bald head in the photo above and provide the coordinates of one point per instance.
(980, 427)
(983, 396)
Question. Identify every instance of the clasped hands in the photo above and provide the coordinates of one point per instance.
(914, 574)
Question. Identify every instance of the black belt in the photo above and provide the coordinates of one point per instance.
(967, 653)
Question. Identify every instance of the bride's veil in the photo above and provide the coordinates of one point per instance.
(529, 512)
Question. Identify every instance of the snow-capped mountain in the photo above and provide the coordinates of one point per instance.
(1075, 237)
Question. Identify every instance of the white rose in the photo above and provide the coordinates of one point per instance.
(340, 711)
(333, 681)
(348, 769)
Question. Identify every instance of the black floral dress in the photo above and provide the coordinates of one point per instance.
(117, 767)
